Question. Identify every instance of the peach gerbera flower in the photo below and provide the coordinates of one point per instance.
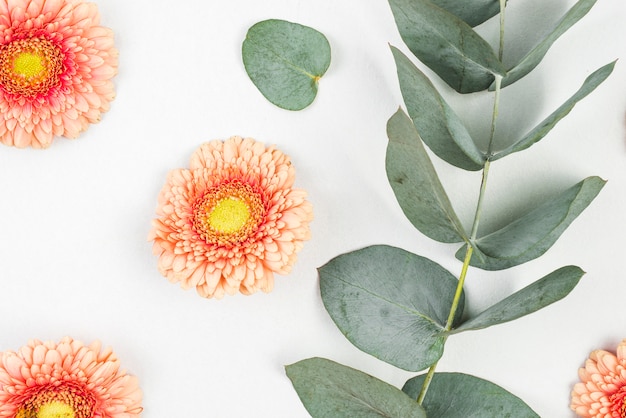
(56, 66)
(232, 220)
(68, 379)
(602, 390)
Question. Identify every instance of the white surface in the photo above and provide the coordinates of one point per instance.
(74, 258)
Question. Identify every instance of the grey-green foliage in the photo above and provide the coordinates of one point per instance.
(530, 236)
(416, 184)
(285, 61)
(331, 390)
(545, 291)
(458, 395)
(472, 12)
(390, 303)
(437, 124)
(395, 305)
(534, 57)
(447, 45)
(541, 130)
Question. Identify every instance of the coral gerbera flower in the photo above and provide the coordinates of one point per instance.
(56, 66)
(602, 390)
(232, 220)
(66, 379)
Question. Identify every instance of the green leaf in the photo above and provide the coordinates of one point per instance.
(390, 303)
(331, 390)
(472, 12)
(545, 291)
(447, 45)
(593, 81)
(437, 124)
(458, 395)
(416, 185)
(285, 61)
(533, 234)
(534, 57)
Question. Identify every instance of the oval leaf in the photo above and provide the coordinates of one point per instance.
(590, 84)
(285, 61)
(472, 12)
(331, 390)
(437, 124)
(415, 183)
(458, 395)
(533, 234)
(545, 291)
(534, 57)
(447, 45)
(390, 303)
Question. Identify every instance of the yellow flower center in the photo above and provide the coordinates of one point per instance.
(65, 401)
(30, 66)
(228, 214)
(56, 410)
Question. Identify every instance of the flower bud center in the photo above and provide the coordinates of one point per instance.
(30, 66)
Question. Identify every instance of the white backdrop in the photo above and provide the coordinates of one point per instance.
(74, 219)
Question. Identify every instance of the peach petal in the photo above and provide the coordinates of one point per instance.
(84, 89)
(38, 367)
(246, 263)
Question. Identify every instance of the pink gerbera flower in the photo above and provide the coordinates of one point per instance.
(602, 390)
(56, 66)
(232, 220)
(66, 379)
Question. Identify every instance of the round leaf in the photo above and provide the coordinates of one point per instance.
(390, 303)
(457, 395)
(285, 61)
(332, 390)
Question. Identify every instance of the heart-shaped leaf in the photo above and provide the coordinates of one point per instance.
(458, 395)
(390, 303)
(447, 45)
(472, 12)
(437, 124)
(534, 57)
(331, 390)
(590, 84)
(534, 233)
(285, 61)
(545, 291)
(416, 184)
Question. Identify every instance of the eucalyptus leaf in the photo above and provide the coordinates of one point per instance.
(437, 124)
(541, 130)
(447, 45)
(416, 185)
(534, 57)
(545, 291)
(472, 12)
(458, 395)
(534, 233)
(285, 61)
(331, 390)
(390, 303)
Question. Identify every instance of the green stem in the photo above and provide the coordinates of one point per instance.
(483, 187)
(502, 13)
(459, 287)
(449, 322)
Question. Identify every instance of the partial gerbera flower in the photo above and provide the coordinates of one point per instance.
(232, 220)
(66, 379)
(602, 390)
(56, 70)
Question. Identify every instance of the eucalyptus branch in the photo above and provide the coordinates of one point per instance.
(483, 187)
